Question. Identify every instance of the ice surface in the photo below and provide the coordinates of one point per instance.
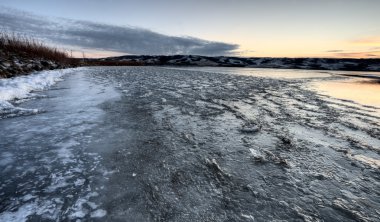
(20, 215)
(261, 72)
(170, 147)
(56, 166)
(6, 158)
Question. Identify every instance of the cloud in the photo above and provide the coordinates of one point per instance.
(243, 53)
(104, 37)
(335, 50)
(369, 54)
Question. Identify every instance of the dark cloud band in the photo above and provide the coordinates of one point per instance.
(97, 36)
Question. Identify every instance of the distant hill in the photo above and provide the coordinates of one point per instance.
(287, 63)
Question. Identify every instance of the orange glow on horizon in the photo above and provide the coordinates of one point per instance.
(343, 54)
(368, 41)
(247, 53)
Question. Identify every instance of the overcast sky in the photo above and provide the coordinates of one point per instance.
(276, 28)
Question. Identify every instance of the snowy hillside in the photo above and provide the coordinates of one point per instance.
(288, 63)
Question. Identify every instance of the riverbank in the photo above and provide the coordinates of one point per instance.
(14, 65)
(22, 55)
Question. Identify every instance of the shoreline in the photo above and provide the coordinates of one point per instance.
(17, 66)
(12, 65)
(35, 65)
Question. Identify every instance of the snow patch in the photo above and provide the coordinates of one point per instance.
(64, 153)
(375, 163)
(98, 213)
(21, 88)
(48, 210)
(79, 209)
(79, 182)
(57, 181)
(257, 155)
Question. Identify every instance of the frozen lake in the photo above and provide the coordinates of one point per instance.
(189, 144)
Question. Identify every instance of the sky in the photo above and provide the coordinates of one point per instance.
(248, 28)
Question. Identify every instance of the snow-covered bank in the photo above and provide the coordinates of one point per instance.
(49, 169)
(19, 66)
(16, 89)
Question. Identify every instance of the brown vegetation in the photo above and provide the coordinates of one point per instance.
(22, 55)
(29, 48)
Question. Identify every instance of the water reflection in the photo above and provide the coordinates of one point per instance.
(263, 72)
(359, 90)
(360, 87)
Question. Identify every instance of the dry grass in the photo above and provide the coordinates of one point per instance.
(25, 47)
(12, 45)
